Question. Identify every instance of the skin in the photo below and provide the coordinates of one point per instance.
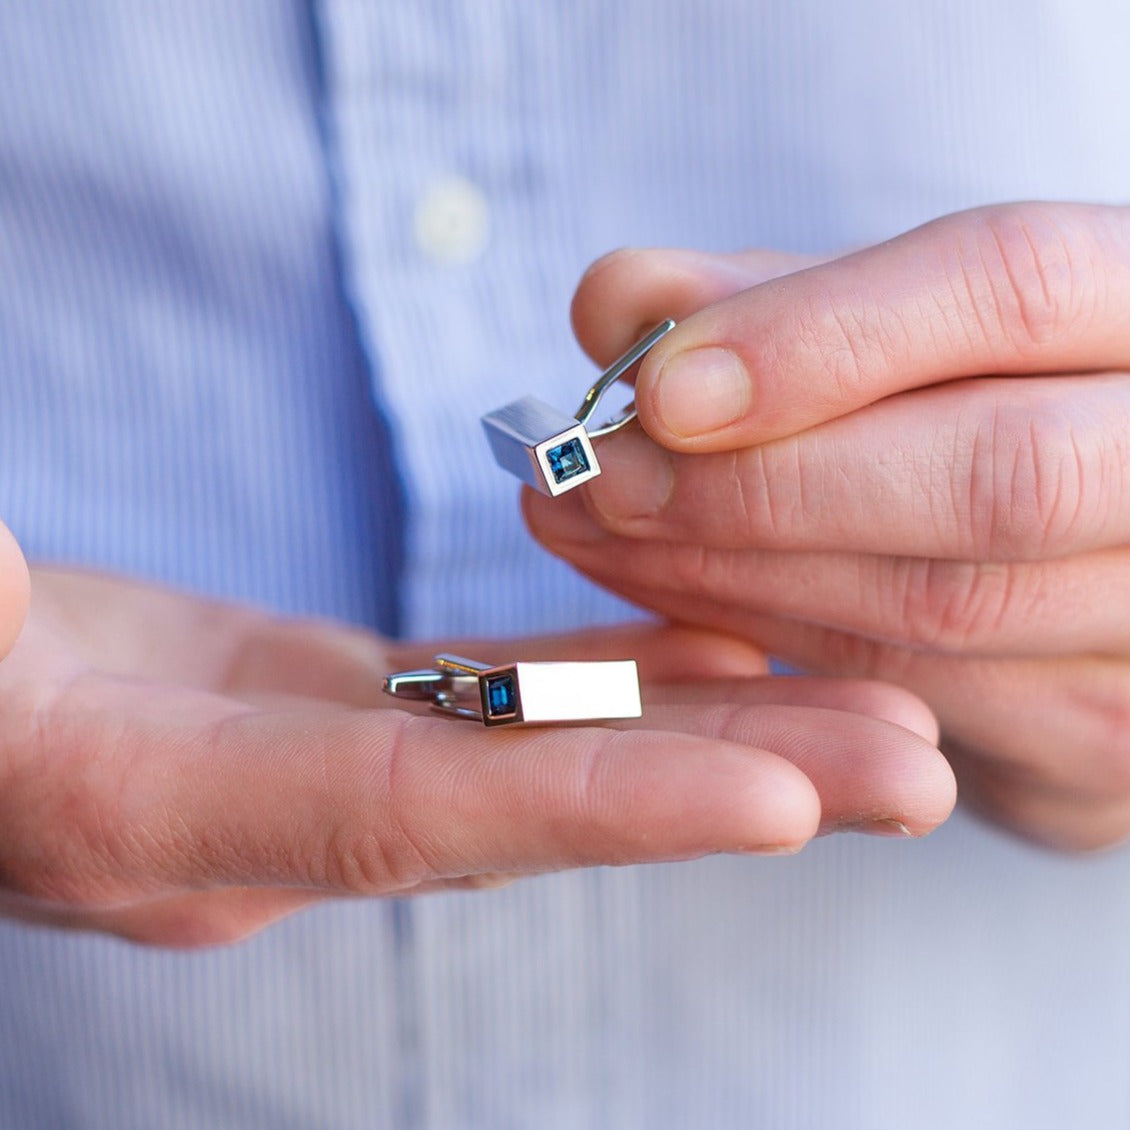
(183, 772)
(908, 463)
(14, 590)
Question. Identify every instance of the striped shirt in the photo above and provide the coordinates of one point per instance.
(263, 264)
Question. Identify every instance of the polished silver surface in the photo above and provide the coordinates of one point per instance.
(535, 693)
(618, 369)
(551, 450)
(449, 686)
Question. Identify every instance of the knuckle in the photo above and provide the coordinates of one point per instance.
(1042, 481)
(771, 488)
(951, 607)
(384, 854)
(371, 863)
(1029, 274)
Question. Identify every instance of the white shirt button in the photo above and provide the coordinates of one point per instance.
(452, 221)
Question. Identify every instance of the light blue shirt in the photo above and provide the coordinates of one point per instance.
(263, 264)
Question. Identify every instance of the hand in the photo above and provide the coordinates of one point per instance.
(182, 772)
(910, 463)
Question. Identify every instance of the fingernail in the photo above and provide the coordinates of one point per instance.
(636, 480)
(869, 827)
(894, 828)
(702, 390)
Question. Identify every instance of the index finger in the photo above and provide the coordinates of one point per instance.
(1010, 289)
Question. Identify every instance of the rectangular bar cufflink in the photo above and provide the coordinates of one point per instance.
(560, 692)
(534, 693)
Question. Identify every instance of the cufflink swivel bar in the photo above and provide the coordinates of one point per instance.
(551, 450)
(611, 375)
(531, 693)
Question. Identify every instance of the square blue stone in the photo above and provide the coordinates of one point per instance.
(502, 696)
(567, 460)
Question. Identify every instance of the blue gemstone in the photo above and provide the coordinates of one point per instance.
(501, 695)
(567, 460)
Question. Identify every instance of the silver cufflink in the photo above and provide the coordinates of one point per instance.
(531, 693)
(551, 450)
